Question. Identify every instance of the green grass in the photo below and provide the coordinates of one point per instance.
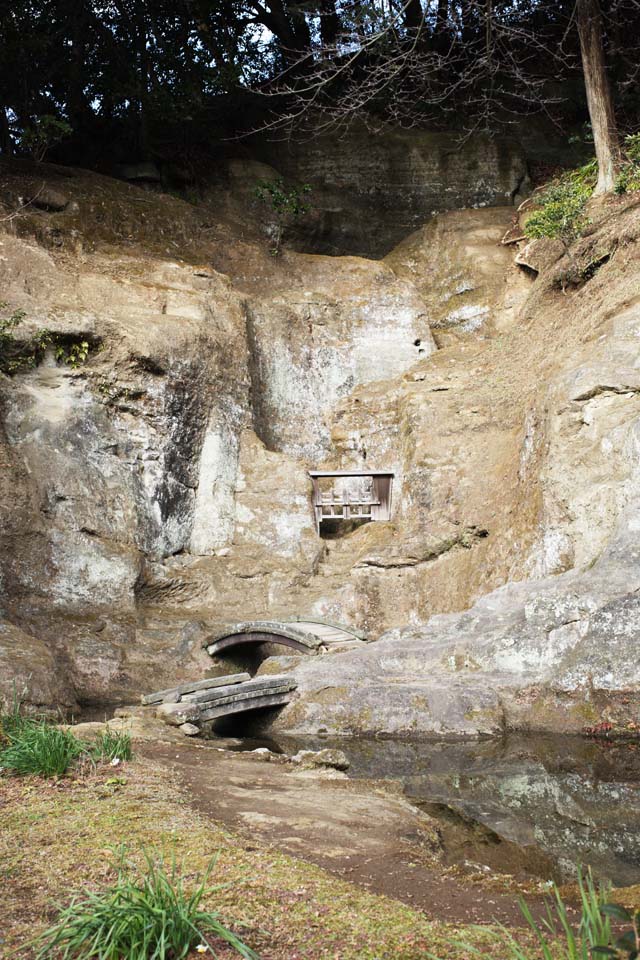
(36, 748)
(148, 914)
(560, 211)
(561, 205)
(556, 937)
(112, 745)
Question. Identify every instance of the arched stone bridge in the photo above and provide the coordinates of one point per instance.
(302, 635)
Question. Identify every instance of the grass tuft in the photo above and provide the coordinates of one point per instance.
(555, 937)
(113, 745)
(35, 748)
(148, 914)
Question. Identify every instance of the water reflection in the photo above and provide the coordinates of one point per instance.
(560, 801)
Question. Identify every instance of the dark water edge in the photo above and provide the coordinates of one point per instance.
(521, 804)
(530, 806)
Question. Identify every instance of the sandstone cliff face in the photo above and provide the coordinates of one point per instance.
(160, 489)
(373, 188)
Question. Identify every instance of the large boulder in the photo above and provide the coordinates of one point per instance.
(29, 673)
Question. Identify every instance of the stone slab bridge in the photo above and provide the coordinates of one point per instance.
(191, 704)
(303, 635)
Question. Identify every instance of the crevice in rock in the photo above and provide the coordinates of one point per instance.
(602, 389)
(465, 539)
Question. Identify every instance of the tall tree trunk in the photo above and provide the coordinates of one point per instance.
(599, 99)
(6, 143)
(329, 23)
(413, 15)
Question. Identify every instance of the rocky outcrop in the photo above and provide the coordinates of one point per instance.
(160, 489)
(373, 188)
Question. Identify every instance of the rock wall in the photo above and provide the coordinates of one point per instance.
(373, 188)
(160, 489)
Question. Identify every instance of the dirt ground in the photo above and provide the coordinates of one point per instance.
(357, 830)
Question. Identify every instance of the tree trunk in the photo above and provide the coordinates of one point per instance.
(599, 99)
(6, 143)
(329, 23)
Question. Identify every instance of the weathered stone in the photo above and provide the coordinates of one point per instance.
(539, 255)
(48, 198)
(29, 674)
(371, 189)
(189, 729)
(175, 714)
(322, 758)
(160, 490)
(163, 696)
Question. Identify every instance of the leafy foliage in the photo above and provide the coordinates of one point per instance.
(42, 134)
(149, 914)
(284, 201)
(628, 943)
(561, 205)
(287, 203)
(36, 748)
(629, 175)
(562, 202)
(17, 355)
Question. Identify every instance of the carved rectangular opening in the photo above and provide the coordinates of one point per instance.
(350, 497)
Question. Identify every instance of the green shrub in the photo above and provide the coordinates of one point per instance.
(629, 176)
(287, 204)
(42, 134)
(561, 205)
(36, 748)
(113, 745)
(16, 355)
(146, 915)
(628, 943)
(555, 937)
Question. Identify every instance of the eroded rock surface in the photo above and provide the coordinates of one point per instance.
(160, 489)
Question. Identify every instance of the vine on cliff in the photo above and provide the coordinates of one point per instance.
(18, 354)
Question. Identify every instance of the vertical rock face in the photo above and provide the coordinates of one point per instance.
(160, 488)
(341, 323)
(395, 180)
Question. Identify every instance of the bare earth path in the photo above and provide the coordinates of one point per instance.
(370, 837)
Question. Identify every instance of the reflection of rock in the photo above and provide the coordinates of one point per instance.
(551, 797)
(322, 758)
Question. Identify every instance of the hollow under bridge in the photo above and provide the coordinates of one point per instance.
(304, 635)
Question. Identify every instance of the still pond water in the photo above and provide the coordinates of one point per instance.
(529, 805)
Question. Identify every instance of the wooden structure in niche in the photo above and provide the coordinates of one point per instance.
(367, 498)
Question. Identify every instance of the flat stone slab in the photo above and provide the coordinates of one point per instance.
(237, 705)
(194, 686)
(248, 688)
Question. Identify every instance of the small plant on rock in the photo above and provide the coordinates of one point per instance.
(148, 914)
(113, 745)
(286, 203)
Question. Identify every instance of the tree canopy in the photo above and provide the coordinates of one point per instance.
(130, 79)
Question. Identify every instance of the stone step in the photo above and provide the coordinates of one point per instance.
(184, 690)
